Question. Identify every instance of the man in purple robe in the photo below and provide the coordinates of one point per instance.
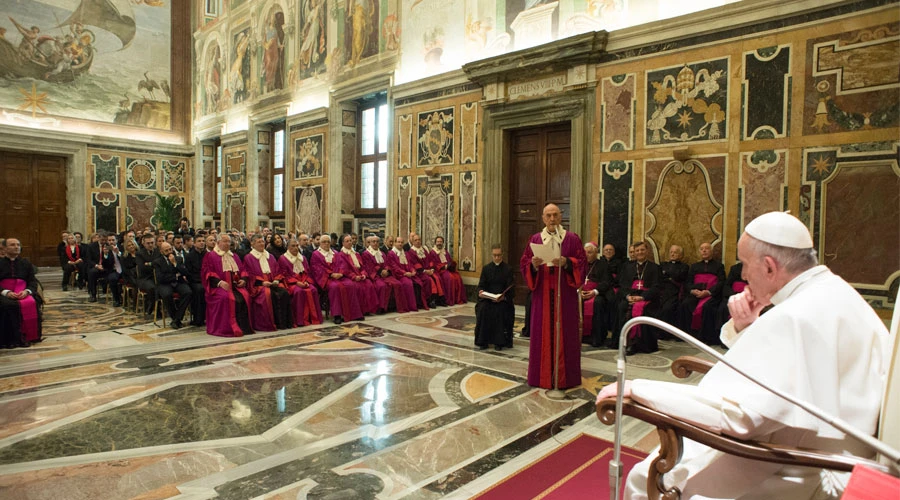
(331, 276)
(227, 313)
(380, 275)
(554, 305)
(418, 256)
(270, 302)
(445, 269)
(365, 287)
(405, 268)
(304, 296)
(400, 271)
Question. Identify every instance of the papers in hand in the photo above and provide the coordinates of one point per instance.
(494, 296)
(546, 252)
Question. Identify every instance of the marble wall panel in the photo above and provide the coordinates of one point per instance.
(235, 171)
(139, 210)
(404, 141)
(309, 157)
(434, 137)
(434, 208)
(140, 174)
(468, 133)
(616, 202)
(106, 211)
(235, 208)
(687, 103)
(264, 160)
(173, 176)
(466, 256)
(349, 172)
(852, 80)
(309, 208)
(763, 183)
(684, 203)
(404, 202)
(106, 170)
(766, 92)
(852, 206)
(618, 97)
(209, 187)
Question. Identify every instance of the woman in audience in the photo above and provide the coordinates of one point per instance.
(277, 247)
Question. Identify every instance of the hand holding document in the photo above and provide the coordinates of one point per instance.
(547, 253)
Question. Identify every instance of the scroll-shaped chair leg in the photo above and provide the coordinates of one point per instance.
(670, 448)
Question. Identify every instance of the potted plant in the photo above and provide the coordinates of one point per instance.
(166, 213)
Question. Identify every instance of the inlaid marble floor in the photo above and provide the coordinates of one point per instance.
(396, 406)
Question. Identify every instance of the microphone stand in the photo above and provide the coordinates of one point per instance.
(615, 465)
(556, 393)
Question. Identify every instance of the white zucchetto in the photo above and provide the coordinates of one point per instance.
(780, 228)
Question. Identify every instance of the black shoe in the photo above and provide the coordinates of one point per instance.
(117, 304)
(338, 320)
(65, 288)
(93, 298)
(176, 325)
(631, 351)
(482, 347)
(498, 347)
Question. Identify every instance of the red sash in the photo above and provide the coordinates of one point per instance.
(28, 308)
(738, 286)
(637, 309)
(710, 281)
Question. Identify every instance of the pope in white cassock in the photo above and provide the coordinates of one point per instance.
(821, 342)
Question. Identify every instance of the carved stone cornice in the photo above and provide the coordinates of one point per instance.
(552, 57)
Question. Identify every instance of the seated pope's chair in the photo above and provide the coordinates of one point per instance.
(672, 430)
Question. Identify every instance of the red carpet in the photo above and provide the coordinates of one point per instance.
(580, 469)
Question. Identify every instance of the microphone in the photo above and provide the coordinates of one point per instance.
(615, 465)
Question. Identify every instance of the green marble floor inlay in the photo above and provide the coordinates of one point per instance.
(183, 414)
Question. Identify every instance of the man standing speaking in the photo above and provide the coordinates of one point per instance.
(554, 304)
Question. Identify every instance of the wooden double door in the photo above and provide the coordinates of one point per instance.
(33, 198)
(540, 165)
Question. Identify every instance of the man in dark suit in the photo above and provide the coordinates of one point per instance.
(20, 304)
(93, 264)
(192, 265)
(144, 267)
(184, 227)
(171, 279)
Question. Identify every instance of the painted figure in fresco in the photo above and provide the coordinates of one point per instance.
(273, 51)
(237, 76)
(313, 46)
(213, 81)
(28, 45)
(362, 27)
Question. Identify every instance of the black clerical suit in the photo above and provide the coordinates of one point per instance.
(604, 299)
(734, 276)
(144, 270)
(10, 311)
(171, 279)
(707, 333)
(494, 320)
(649, 291)
(672, 277)
(192, 264)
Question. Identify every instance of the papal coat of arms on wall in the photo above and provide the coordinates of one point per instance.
(308, 156)
(435, 137)
(687, 103)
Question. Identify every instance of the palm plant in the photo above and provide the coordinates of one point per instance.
(166, 213)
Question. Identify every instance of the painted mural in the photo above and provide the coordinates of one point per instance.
(361, 29)
(101, 60)
(210, 91)
(313, 38)
(272, 51)
(239, 68)
(687, 103)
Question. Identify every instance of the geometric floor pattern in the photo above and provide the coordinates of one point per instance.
(395, 406)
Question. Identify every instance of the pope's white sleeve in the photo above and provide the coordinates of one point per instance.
(691, 404)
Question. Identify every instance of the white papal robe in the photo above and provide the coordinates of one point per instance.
(821, 343)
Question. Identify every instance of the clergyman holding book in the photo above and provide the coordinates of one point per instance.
(494, 312)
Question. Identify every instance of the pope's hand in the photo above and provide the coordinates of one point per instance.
(611, 390)
(537, 261)
(744, 309)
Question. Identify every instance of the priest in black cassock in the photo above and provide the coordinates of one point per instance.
(20, 304)
(494, 317)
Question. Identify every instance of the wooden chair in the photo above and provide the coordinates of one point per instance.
(672, 431)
